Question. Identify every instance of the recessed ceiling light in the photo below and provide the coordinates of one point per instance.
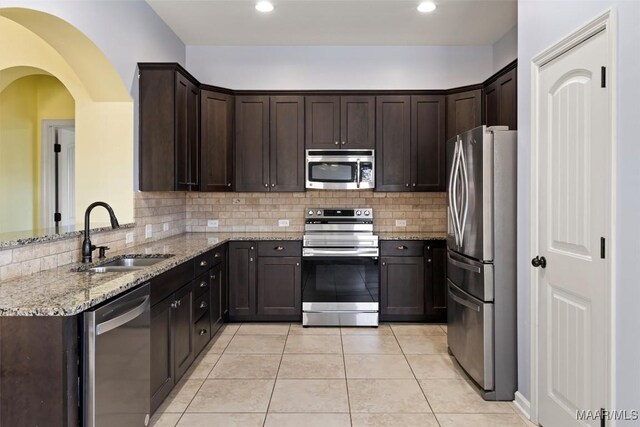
(426, 7)
(264, 6)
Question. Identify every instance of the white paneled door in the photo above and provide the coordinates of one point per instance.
(574, 187)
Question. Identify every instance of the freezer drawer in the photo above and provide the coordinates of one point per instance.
(470, 335)
(471, 276)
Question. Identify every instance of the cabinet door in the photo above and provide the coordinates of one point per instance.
(357, 121)
(183, 339)
(507, 100)
(287, 143)
(322, 122)
(464, 112)
(402, 287)
(491, 104)
(279, 286)
(215, 305)
(186, 137)
(216, 139)
(393, 143)
(436, 282)
(428, 143)
(242, 279)
(252, 143)
(161, 351)
(157, 132)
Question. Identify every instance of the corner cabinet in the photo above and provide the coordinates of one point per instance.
(464, 111)
(269, 151)
(216, 141)
(500, 99)
(169, 120)
(410, 143)
(340, 122)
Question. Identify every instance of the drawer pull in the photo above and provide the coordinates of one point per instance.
(402, 247)
(251, 248)
(213, 276)
(278, 248)
(203, 284)
(217, 255)
(203, 263)
(202, 332)
(203, 304)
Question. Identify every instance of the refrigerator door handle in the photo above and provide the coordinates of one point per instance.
(465, 192)
(463, 265)
(466, 303)
(453, 192)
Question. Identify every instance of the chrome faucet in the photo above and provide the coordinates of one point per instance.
(87, 247)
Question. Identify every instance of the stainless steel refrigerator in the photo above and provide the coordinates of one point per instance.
(481, 257)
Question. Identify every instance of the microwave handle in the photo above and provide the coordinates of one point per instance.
(358, 173)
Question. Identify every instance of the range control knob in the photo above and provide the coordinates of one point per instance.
(319, 213)
(358, 213)
(310, 212)
(367, 213)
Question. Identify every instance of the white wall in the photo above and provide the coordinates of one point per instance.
(340, 67)
(540, 24)
(505, 50)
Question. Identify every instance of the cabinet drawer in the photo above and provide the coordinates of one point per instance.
(202, 333)
(201, 306)
(170, 281)
(201, 284)
(218, 255)
(290, 248)
(202, 263)
(402, 248)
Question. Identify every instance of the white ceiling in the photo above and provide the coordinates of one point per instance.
(337, 22)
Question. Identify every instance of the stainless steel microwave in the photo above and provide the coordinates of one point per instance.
(340, 169)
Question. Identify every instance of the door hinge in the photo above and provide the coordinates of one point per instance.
(603, 76)
(57, 148)
(602, 247)
(57, 217)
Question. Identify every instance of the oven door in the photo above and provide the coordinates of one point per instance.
(346, 172)
(340, 288)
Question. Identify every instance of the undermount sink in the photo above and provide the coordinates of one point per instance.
(126, 264)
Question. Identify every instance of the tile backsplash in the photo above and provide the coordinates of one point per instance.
(238, 212)
(156, 209)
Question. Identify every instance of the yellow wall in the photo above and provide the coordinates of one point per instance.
(23, 105)
(103, 108)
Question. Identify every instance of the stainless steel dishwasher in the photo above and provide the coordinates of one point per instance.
(116, 363)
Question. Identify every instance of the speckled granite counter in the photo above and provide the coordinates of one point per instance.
(63, 292)
(412, 236)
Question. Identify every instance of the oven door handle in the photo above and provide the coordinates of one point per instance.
(340, 252)
(358, 173)
(340, 311)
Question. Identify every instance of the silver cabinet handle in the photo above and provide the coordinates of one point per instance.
(402, 247)
(297, 264)
(217, 255)
(266, 185)
(229, 185)
(414, 184)
(384, 263)
(273, 185)
(203, 284)
(407, 184)
(202, 332)
(343, 142)
(213, 276)
(250, 259)
(174, 304)
(337, 143)
(111, 324)
(279, 248)
(203, 304)
(203, 263)
(251, 248)
(429, 260)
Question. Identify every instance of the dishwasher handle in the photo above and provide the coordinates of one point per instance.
(126, 317)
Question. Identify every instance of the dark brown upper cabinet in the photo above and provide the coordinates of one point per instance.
(464, 111)
(410, 143)
(169, 114)
(340, 121)
(393, 143)
(216, 141)
(500, 100)
(269, 151)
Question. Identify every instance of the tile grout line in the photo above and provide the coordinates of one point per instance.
(346, 379)
(414, 376)
(273, 389)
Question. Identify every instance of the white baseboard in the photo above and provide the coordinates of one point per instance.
(522, 404)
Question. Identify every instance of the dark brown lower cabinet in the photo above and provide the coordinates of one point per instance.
(279, 286)
(242, 280)
(161, 351)
(413, 288)
(402, 288)
(216, 310)
(183, 348)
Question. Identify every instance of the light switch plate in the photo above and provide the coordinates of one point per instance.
(283, 223)
(212, 223)
(128, 237)
(165, 226)
(401, 222)
(148, 231)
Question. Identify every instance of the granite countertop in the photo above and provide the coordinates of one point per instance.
(64, 292)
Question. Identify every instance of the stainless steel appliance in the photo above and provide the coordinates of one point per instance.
(481, 268)
(116, 384)
(340, 285)
(340, 169)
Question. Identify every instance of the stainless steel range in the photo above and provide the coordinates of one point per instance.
(340, 285)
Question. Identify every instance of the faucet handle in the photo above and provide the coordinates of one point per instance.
(102, 251)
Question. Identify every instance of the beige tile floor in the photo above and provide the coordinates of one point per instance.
(281, 375)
